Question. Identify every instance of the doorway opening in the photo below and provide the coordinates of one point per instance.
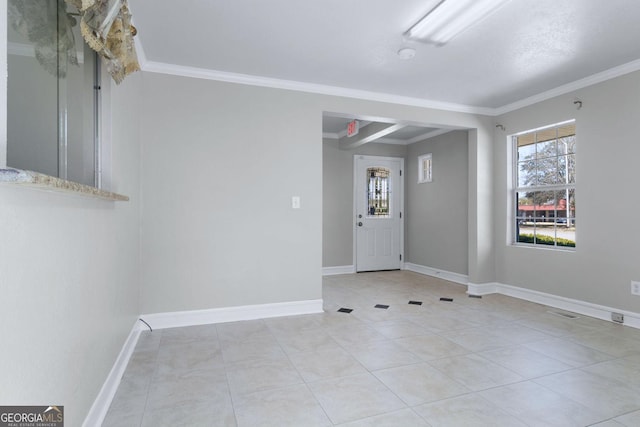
(374, 137)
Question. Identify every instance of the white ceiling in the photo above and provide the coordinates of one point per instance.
(524, 49)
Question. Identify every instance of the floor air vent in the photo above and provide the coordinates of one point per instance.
(565, 315)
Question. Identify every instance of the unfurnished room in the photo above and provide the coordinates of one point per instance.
(319, 213)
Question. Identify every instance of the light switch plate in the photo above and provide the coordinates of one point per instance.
(295, 202)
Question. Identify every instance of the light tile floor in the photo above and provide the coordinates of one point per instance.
(494, 361)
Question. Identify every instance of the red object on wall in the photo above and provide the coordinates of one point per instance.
(353, 127)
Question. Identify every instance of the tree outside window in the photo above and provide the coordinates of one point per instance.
(545, 177)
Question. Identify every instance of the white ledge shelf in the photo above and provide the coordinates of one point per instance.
(46, 182)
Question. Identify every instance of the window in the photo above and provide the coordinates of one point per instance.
(545, 186)
(378, 192)
(424, 168)
(52, 93)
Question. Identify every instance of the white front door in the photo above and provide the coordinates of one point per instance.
(378, 210)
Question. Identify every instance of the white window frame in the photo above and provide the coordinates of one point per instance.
(425, 174)
(512, 139)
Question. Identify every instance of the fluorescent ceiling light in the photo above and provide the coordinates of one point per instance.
(451, 17)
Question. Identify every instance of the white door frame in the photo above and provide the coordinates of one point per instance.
(354, 216)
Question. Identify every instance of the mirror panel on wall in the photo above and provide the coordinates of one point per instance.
(52, 94)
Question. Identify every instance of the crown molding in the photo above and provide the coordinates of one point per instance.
(247, 79)
(609, 74)
(252, 80)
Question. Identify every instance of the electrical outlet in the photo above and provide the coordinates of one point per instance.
(617, 317)
(635, 288)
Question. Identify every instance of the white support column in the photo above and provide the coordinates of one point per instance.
(481, 201)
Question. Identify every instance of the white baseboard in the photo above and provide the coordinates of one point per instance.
(340, 269)
(568, 304)
(100, 406)
(482, 288)
(231, 314)
(442, 274)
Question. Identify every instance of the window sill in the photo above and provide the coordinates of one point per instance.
(544, 247)
(46, 182)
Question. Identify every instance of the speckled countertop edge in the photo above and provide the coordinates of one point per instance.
(35, 179)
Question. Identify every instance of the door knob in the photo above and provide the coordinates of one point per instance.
(360, 224)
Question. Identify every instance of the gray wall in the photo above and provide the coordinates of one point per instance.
(337, 197)
(69, 271)
(220, 165)
(437, 229)
(607, 205)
